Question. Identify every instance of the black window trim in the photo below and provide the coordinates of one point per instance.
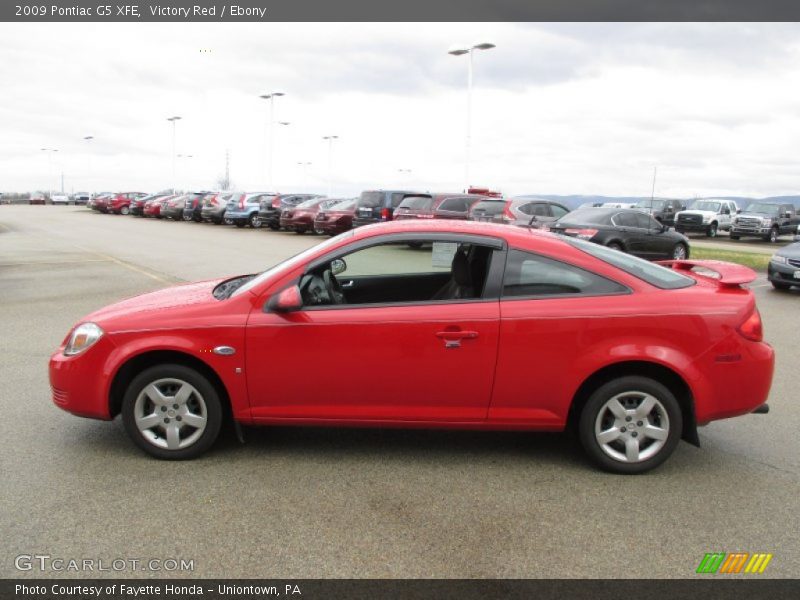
(503, 298)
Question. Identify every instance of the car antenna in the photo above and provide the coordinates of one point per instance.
(653, 190)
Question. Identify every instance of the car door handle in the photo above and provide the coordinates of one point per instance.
(452, 339)
(348, 284)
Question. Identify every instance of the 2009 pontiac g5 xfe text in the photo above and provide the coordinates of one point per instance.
(483, 326)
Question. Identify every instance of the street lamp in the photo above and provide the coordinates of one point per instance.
(173, 120)
(459, 50)
(330, 139)
(271, 97)
(50, 169)
(88, 139)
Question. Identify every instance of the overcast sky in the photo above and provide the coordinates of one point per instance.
(557, 108)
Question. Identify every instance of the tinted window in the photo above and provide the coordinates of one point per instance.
(558, 211)
(625, 220)
(417, 202)
(646, 221)
(704, 205)
(370, 199)
(654, 274)
(588, 216)
(489, 207)
(456, 204)
(533, 275)
(541, 210)
(397, 198)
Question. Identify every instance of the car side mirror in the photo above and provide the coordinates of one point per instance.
(338, 266)
(288, 300)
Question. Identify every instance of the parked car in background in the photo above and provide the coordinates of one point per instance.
(37, 198)
(783, 270)
(662, 210)
(154, 207)
(101, 202)
(120, 204)
(766, 220)
(300, 218)
(524, 211)
(707, 216)
(436, 206)
(337, 218)
(60, 198)
(173, 208)
(193, 206)
(214, 206)
(270, 209)
(81, 197)
(624, 229)
(137, 204)
(375, 206)
(244, 210)
(501, 307)
(618, 204)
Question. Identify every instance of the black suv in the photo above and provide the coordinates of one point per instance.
(270, 208)
(378, 205)
(765, 220)
(662, 209)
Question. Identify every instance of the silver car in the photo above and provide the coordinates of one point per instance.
(523, 211)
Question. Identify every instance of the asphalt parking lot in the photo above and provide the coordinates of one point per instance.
(303, 502)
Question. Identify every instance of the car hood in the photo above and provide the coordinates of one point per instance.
(755, 215)
(790, 251)
(155, 308)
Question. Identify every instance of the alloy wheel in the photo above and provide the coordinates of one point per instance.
(679, 252)
(170, 414)
(632, 427)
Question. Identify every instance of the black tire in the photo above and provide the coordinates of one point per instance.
(213, 408)
(634, 384)
(680, 251)
(780, 286)
(124, 210)
(734, 236)
(712, 230)
(615, 246)
(774, 233)
(239, 224)
(274, 227)
(254, 221)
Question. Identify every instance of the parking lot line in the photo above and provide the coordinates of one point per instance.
(126, 265)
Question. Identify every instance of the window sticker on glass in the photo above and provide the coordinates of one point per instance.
(443, 253)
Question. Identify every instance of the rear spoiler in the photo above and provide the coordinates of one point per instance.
(724, 273)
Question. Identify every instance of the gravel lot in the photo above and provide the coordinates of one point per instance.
(303, 502)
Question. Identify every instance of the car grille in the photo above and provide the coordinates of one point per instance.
(690, 219)
(60, 397)
(794, 262)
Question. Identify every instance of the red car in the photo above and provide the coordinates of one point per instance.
(300, 218)
(337, 218)
(101, 202)
(120, 204)
(489, 327)
(152, 208)
(436, 206)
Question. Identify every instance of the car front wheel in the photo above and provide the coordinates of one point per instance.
(255, 221)
(712, 230)
(630, 425)
(172, 412)
(680, 252)
(773, 235)
(124, 210)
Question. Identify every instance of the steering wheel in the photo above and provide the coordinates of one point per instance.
(335, 291)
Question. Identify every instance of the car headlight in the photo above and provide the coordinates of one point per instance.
(779, 259)
(83, 337)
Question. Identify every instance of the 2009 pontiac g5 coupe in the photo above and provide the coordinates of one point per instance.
(479, 326)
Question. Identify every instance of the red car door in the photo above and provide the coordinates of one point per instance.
(426, 361)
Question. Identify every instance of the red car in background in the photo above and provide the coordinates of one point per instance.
(120, 204)
(101, 202)
(37, 198)
(470, 319)
(436, 206)
(152, 208)
(337, 218)
(300, 218)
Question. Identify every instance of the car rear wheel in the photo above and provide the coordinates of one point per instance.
(255, 221)
(172, 412)
(773, 235)
(712, 230)
(680, 251)
(630, 425)
(124, 210)
(615, 246)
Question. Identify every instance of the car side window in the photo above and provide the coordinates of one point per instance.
(626, 219)
(455, 204)
(397, 199)
(644, 221)
(529, 274)
(540, 210)
(558, 211)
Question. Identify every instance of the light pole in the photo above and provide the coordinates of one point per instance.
(304, 171)
(88, 139)
(185, 156)
(330, 139)
(50, 170)
(173, 120)
(458, 50)
(271, 125)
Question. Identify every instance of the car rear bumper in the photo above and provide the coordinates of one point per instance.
(213, 214)
(270, 216)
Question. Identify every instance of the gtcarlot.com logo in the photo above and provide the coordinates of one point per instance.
(735, 562)
(45, 563)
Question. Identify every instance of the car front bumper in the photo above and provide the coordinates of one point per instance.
(75, 382)
(760, 231)
(781, 273)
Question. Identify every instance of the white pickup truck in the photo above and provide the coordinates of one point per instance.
(707, 216)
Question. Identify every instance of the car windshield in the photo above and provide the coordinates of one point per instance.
(704, 205)
(417, 202)
(763, 209)
(370, 199)
(583, 216)
(290, 263)
(654, 204)
(656, 275)
(489, 207)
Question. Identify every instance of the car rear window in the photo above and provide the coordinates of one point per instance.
(655, 275)
(588, 216)
(344, 205)
(370, 199)
(489, 207)
(417, 202)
